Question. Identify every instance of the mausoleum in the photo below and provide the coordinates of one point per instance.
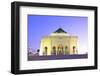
(59, 43)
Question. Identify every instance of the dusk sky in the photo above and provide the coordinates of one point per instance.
(43, 25)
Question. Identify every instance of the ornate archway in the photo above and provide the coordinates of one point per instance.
(60, 50)
(45, 50)
(66, 50)
(74, 49)
(53, 50)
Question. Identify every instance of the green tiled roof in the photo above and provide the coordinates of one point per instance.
(60, 30)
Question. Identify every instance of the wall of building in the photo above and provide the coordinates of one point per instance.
(45, 42)
(58, 41)
(73, 43)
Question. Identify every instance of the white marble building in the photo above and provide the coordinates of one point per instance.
(59, 43)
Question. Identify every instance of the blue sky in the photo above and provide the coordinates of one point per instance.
(42, 25)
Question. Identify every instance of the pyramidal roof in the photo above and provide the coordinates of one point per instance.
(60, 30)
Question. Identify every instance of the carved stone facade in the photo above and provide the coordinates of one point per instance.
(59, 43)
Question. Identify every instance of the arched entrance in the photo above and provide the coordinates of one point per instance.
(74, 49)
(53, 50)
(45, 50)
(66, 50)
(60, 50)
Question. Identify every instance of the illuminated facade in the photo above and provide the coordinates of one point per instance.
(59, 43)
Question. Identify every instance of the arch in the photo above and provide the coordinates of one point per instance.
(53, 50)
(74, 49)
(45, 50)
(60, 50)
(66, 50)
